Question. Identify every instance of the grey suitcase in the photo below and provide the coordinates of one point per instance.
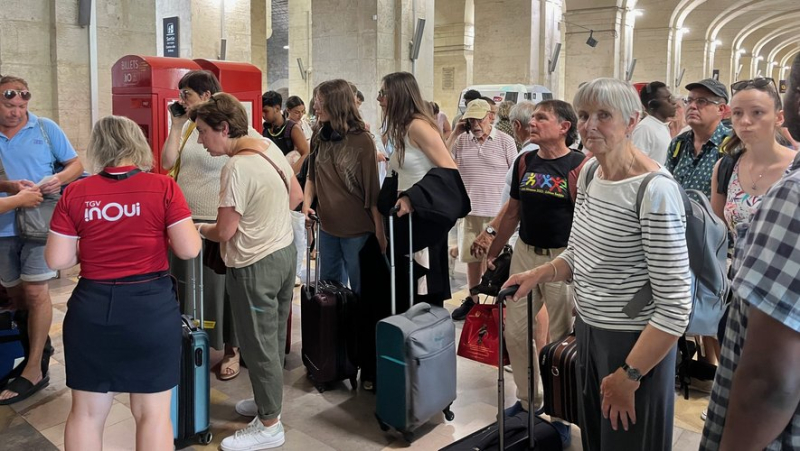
(416, 371)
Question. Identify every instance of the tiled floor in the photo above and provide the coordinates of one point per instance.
(338, 419)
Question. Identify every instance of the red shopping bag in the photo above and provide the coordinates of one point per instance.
(479, 338)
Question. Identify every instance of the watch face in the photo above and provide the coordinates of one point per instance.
(634, 374)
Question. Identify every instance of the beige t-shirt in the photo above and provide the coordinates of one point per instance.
(258, 193)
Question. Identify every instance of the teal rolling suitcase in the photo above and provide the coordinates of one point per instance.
(416, 352)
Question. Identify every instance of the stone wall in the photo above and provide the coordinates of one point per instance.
(40, 41)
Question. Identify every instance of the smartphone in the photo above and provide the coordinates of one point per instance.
(44, 180)
(177, 109)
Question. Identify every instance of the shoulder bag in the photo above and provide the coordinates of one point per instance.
(34, 223)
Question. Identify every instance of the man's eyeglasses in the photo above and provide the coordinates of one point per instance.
(701, 102)
(758, 83)
(9, 94)
(184, 94)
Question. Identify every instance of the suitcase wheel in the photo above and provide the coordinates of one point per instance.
(408, 436)
(205, 438)
(384, 426)
(448, 414)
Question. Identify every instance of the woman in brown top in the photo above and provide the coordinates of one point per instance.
(343, 176)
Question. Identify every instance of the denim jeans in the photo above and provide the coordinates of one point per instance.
(338, 259)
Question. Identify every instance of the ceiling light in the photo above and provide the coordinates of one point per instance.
(684, 30)
(638, 12)
(286, 47)
(786, 67)
(772, 63)
(741, 51)
(716, 43)
(759, 58)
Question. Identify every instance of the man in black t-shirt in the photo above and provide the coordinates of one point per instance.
(543, 190)
(282, 130)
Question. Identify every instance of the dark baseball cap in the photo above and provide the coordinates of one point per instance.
(715, 86)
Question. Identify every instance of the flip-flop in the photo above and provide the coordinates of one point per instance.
(236, 366)
(24, 389)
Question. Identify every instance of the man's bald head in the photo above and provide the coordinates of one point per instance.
(791, 102)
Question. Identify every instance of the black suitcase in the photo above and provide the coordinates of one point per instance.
(522, 431)
(328, 314)
(558, 366)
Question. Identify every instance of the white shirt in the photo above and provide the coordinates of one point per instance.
(652, 137)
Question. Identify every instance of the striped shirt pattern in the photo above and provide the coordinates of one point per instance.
(483, 168)
(766, 263)
(612, 253)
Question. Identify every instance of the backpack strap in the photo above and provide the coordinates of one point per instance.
(725, 171)
(287, 134)
(49, 144)
(645, 294)
(673, 159)
(590, 172)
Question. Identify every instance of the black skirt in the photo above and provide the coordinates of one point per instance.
(123, 336)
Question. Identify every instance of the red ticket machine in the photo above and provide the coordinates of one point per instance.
(142, 88)
(241, 80)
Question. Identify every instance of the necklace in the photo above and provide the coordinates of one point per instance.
(753, 179)
(278, 133)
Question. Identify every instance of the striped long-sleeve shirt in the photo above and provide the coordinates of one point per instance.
(612, 253)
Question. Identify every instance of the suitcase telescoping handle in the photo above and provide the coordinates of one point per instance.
(393, 276)
(507, 292)
(196, 280)
(314, 231)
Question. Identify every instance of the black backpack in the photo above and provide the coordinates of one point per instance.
(493, 279)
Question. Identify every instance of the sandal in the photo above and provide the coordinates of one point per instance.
(228, 363)
(24, 389)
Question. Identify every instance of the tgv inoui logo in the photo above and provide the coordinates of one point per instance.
(110, 212)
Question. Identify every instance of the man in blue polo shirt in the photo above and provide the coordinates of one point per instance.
(30, 150)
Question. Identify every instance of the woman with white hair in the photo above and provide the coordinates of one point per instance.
(626, 364)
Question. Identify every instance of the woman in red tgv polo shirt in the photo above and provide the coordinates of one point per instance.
(122, 331)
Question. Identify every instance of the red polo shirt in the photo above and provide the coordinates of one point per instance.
(122, 224)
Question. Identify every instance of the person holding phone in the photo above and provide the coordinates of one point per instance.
(197, 173)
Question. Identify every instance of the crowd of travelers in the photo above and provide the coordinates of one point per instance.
(589, 194)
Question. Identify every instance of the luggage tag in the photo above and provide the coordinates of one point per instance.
(209, 324)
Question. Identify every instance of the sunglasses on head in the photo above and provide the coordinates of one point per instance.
(9, 94)
(758, 83)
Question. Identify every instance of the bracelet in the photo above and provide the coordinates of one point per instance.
(555, 270)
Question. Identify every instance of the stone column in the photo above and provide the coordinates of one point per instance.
(504, 42)
(692, 57)
(651, 51)
(454, 38)
(363, 40)
(721, 59)
(258, 36)
(300, 47)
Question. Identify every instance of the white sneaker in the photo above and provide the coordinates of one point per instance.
(704, 414)
(255, 437)
(248, 408)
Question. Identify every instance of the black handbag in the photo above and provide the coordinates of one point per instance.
(34, 223)
(493, 279)
(212, 257)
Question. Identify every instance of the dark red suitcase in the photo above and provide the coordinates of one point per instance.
(328, 313)
(558, 366)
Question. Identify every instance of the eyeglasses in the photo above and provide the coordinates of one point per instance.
(701, 102)
(758, 83)
(9, 94)
(381, 93)
(184, 94)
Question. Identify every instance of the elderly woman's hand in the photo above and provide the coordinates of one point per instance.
(526, 281)
(619, 399)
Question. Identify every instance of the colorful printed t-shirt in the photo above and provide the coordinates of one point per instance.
(543, 191)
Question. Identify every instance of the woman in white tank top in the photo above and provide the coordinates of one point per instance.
(417, 148)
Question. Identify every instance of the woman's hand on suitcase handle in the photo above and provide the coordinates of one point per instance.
(619, 399)
(526, 280)
(403, 206)
(311, 216)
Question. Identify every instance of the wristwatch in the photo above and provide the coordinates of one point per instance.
(491, 231)
(632, 373)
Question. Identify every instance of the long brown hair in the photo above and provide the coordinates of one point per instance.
(403, 104)
(340, 104)
(734, 145)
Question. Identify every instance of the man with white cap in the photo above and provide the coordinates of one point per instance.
(483, 155)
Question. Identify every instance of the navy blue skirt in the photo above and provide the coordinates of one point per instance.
(123, 336)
